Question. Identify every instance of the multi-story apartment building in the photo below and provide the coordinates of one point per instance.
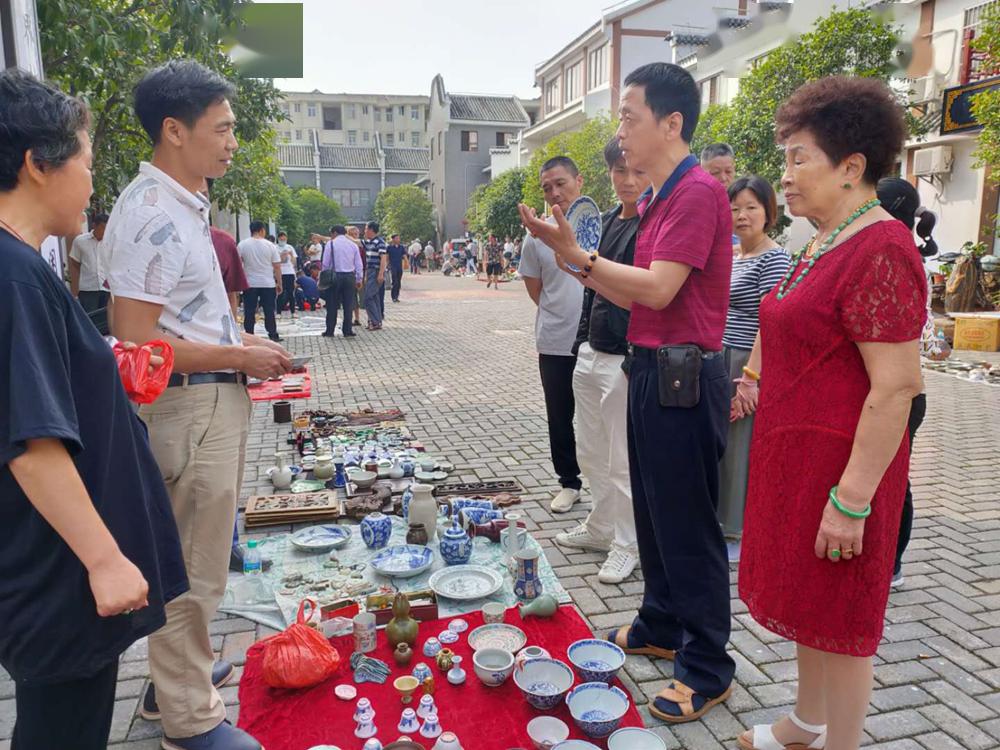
(351, 175)
(354, 119)
(944, 71)
(584, 78)
(462, 128)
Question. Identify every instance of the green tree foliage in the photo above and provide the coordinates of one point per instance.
(98, 49)
(852, 42)
(405, 210)
(493, 205)
(319, 213)
(291, 218)
(586, 148)
(986, 106)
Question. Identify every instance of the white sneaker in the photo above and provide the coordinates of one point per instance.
(619, 565)
(563, 501)
(581, 538)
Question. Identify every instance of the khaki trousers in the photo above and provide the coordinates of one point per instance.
(198, 435)
(601, 392)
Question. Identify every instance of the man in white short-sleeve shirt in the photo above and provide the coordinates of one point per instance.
(86, 276)
(166, 283)
(559, 298)
(262, 264)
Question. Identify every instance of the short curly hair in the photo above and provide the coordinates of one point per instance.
(847, 116)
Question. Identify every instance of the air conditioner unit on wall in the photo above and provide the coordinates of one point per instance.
(924, 90)
(928, 162)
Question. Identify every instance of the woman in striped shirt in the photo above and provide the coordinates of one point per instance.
(758, 265)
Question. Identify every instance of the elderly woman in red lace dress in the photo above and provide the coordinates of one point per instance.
(840, 365)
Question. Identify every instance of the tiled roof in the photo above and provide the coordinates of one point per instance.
(487, 108)
(348, 157)
(407, 159)
(295, 156)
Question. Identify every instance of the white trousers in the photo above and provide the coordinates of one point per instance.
(601, 392)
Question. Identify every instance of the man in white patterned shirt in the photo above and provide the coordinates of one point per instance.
(165, 279)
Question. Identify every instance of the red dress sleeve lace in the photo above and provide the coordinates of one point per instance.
(884, 295)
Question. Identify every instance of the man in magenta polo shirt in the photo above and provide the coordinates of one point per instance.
(678, 292)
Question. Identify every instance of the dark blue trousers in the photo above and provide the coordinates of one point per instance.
(674, 458)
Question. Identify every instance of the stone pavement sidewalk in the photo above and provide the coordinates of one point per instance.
(459, 360)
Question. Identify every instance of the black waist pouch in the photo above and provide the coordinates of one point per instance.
(679, 372)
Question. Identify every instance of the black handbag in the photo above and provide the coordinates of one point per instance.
(325, 277)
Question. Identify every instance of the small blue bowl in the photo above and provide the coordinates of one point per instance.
(595, 660)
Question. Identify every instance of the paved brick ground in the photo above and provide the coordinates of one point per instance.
(459, 359)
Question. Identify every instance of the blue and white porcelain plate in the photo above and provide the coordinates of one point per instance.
(321, 538)
(403, 560)
(585, 218)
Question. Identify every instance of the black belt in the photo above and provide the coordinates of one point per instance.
(644, 352)
(201, 378)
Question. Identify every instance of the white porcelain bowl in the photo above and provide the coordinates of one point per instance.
(575, 745)
(595, 660)
(364, 479)
(597, 708)
(544, 682)
(546, 731)
(493, 666)
(634, 738)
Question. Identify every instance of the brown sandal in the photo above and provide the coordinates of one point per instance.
(679, 693)
(619, 637)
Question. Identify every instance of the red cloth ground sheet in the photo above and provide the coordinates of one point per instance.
(270, 390)
(483, 718)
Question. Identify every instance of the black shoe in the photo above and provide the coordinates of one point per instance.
(236, 560)
(349, 335)
(274, 337)
(327, 334)
(222, 672)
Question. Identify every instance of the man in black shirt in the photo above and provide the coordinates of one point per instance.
(396, 252)
(601, 393)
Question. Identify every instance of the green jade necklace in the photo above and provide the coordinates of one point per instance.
(784, 289)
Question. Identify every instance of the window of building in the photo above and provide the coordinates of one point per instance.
(470, 140)
(415, 140)
(442, 196)
(333, 117)
(298, 135)
(311, 110)
(390, 140)
(402, 110)
(597, 67)
(574, 81)
(284, 108)
(974, 64)
(439, 144)
(503, 138)
(352, 137)
(388, 114)
(553, 97)
(378, 115)
(364, 109)
(352, 112)
(286, 135)
(298, 107)
(401, 138)
(414, 113)
(366, 136)
(351, 198)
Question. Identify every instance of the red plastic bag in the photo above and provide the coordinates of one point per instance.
(300, 657)
(133, 367)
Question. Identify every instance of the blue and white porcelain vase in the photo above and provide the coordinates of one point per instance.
(527, 584)
(376, 529)
(456, 546)
(407, 497)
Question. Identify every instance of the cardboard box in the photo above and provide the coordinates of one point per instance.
(979, 333)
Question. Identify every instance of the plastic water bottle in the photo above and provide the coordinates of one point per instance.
(251, 559)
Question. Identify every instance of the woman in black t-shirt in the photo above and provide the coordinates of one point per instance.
(89, 551)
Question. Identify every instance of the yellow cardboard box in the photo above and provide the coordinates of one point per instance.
(978, 333)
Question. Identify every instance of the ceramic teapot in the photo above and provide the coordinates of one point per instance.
(456, 546)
